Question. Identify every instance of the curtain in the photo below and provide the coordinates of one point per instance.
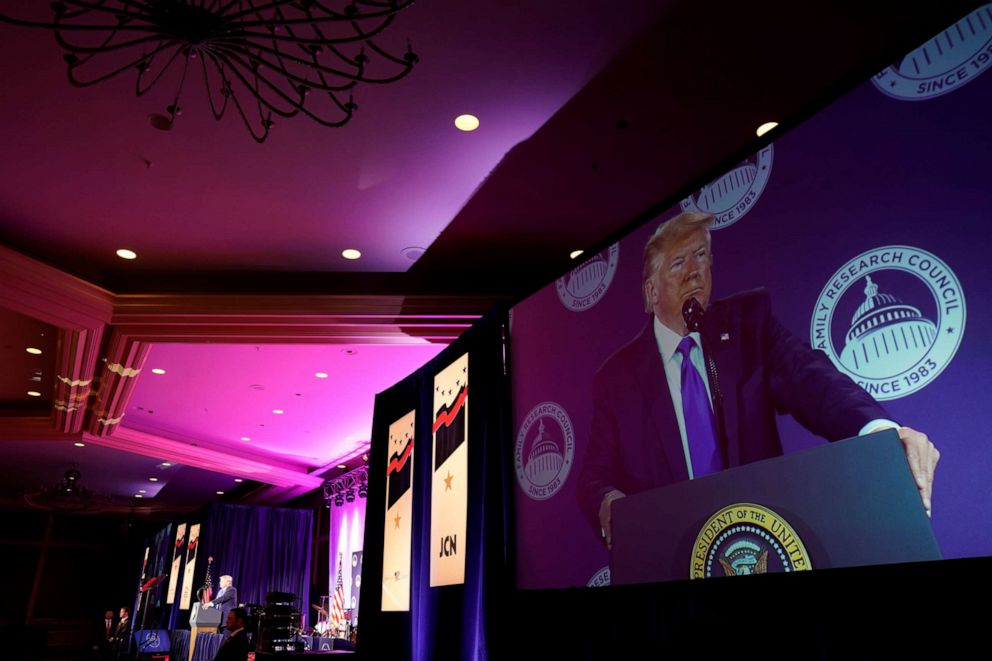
(263, 549)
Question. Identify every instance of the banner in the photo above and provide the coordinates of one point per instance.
(177, 559)
(194, 538)
(396, 541)
(449, 478)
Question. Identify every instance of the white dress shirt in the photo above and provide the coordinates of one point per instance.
(668, 343)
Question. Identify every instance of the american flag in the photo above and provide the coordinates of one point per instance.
(337, 603)
(208, 583)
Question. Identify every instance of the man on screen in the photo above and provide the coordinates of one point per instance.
(654, 419)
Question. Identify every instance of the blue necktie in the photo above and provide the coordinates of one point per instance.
(700, 428)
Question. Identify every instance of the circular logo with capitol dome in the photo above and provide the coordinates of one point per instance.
(892, 319)
(600, 579)
(949, 60)
(544, 450)
(731, 196)
(586, 284)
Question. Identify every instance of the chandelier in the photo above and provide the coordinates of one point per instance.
(72, 497)
(265, 58)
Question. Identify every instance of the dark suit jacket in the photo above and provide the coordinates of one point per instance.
(235, 648)
(763, 369)
(226, 602)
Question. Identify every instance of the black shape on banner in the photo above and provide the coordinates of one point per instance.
(449, 428)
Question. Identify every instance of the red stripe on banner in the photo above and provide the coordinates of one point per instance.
(398, 463)
(447, 417)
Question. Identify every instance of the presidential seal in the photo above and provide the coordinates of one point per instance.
(892, 319)
(747, 539)
(599, 579)
(544, 450)
(951, 59)
(586, 284)
(731, 196)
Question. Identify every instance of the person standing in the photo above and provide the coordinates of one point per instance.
(236, 647)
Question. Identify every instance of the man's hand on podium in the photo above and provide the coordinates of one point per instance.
(604, 515)
(923, 457)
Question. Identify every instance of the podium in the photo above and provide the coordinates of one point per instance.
(201, 620)
(850, 503)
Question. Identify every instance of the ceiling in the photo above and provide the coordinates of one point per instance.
(593, 115)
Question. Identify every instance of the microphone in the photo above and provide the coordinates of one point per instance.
(693, 314)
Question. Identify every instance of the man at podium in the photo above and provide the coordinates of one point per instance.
(698, 389)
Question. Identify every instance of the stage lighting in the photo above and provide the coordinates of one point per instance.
(349, 495)
(338, 501)
(363, 490)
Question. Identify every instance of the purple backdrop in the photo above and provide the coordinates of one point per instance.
(892, 170)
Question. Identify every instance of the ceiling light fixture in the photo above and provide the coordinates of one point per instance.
(278, 411)
(220, 493)
(321, 375)
(34, 393)
(245, 438)
(342, 466)
(575, 253)
(765, 128)
(282, 58)
(158, 370)
(142, 491)
(78, 444)
(138, 495)
(164, 464)
(466, 122)
(33, 351)
(124, 253)
(351, 253)
(238, 480)
(153, 479)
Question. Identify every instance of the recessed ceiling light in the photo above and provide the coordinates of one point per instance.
(321, 375)
(351, 253)
(278, 411)
(466, 122)
(124, 253)
(33, 351)
(138, 495)
(165, 464)
(34, 393)
(220, 493)
(79, 445)
(575, 253)
(342, 466)
(153, 479)
(245, 438)
(238, 480)
(413, 253)
(365, 457)
(765, 128)
(158, 370)
(142, 491)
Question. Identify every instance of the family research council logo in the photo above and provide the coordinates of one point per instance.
(731, 196)
(586, 284)
(892, 319)
(949, 60)
(544, 450)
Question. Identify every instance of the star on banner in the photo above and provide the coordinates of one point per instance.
(447, 481)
